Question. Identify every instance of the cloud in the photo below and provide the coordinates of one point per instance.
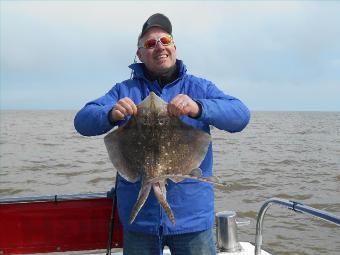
(270, 47)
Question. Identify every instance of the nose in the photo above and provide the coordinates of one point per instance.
(159, 45)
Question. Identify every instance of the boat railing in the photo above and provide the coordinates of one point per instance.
(53, 198)
(292, 205)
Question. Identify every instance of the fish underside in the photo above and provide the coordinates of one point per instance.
(153, 146)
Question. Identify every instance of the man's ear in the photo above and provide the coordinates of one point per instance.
(139, 54)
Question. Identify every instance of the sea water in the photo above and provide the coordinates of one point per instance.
(290, 155)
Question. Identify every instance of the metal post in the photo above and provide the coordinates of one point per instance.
(226, 232)
(112, 219)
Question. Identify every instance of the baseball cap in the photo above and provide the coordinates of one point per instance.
(156, 20)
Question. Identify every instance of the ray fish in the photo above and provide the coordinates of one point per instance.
(153, 147)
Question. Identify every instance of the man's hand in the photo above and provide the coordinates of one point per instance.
(123, 108)
(183, 105)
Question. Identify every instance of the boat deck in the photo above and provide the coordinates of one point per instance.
(247, 249)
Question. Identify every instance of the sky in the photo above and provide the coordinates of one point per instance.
(273, 55)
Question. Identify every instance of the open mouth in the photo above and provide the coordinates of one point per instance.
(161, 57)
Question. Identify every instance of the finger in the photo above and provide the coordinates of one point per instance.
(175, 106)
(128, 100)
(117, 115)
(121, 109)
(185, 102)
(134, 109)
(132, 105)
(127, 106)
(170, 110)
(185, 106)
(178, 110)
(178, 99)
(185, 109)
(173, 110)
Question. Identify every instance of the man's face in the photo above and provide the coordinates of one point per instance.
(159, 59)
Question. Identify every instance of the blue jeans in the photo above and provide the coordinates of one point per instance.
(196, 243)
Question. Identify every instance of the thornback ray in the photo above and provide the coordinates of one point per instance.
(153, 147)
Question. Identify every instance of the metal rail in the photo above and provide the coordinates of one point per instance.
(295, 206)
(53, 198)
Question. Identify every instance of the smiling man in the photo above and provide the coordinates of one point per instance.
(199, 103)
(162, 59)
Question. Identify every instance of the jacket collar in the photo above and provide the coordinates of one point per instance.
(138, 71)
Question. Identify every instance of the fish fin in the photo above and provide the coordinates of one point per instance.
(197, 172)
(177, 178)
(160, 193)
(213, 180)
(142, 196)
(209, 179)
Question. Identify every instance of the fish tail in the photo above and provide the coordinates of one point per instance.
(142, 196)
(159, 189)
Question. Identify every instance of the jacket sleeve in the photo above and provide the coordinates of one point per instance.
(223, 111)
(93, 118)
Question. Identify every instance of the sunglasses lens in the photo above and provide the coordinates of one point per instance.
(150, 43)
(166, 40)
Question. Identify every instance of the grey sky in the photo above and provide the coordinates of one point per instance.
(272, 55)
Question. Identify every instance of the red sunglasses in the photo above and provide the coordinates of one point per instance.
(165, 40)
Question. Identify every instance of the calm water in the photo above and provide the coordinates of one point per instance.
(291, 155)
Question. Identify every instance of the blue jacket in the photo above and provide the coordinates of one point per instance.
(192, 202)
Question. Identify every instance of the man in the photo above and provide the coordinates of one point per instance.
(197, 102)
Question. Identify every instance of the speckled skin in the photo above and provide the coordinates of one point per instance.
(154, 146)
